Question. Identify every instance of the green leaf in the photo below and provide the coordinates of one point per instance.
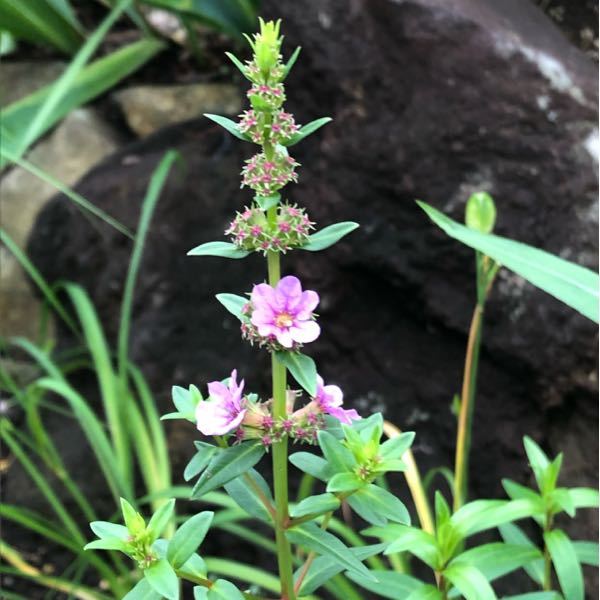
(426, 592)
(324, 568)
(513, 534)
(587, 552)
(315, 505)
(160, 519)
(516, 491)
(566, 564)
(223, 249)
(200, 593)
(104, 529)
(338, 456)
(200, 460)
(234, 304)
(194, 566)
(584, 497)
(230, 125)
(302, 368)
(345, 482)
(538, 461)
(238, 63)
(24, 121)
(290, 63)
(224, 590)
(387, 584)
(41, 22)
(267, 202)
(107, 544)
(397, 446)
(142, 591)
(312, 537)
(247, 498)
(534, 596)
(307, 130)
(161, 576)
(188, 537)
(227, 465)
(487, 514)
(497, 559)
(134, 521)
(376, 505)
(572, 284)
(561, 500)
(328, 236)
(313, 465)
(409, 539)
(470, 582)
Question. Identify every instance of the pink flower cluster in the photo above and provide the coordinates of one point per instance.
(228, 411)
(266, 176)
(266, 97)
(281, 317)
(280, 131)
(250, 230)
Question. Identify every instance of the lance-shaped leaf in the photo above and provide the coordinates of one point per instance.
(188, 537)
(223, 249)
(513, 534)
(324, 568)
(290, 63)
(312, 464)
(409, 539)
(572, 284)
(587, 552)
(230, 125)
(250, 496)
(376, 505)
(469, 582)
(238, 63)
(312, 537)
(160, 519)
(426, 592)
(302, 368)
(315, 505)
(233, 303)
(389, 584)
(227, 465)
(566, 564)
(161, 576)
(142, 591)
(200, 460)
(328, 236)
(497, 559)
(307, 129)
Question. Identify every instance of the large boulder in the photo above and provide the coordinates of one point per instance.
(431, 100)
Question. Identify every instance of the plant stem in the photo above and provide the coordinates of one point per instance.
(467, 407)
(280, 450)
(486, 271)
(547, 582)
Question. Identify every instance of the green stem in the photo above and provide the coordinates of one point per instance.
(280, 450)
(467, 401)
(547, 582)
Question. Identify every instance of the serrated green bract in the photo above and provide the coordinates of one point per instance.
(328, 236)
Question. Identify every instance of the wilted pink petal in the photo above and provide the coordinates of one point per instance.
(330, 399)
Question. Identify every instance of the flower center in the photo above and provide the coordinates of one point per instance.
(284, 320)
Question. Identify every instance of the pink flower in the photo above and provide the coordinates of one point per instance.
(225, 409)
(285, 312)
(330, 399)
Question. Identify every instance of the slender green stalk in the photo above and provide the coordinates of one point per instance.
(486, 271)
(280, 451)
(547, 581)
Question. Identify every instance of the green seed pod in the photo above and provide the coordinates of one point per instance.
(480, 213)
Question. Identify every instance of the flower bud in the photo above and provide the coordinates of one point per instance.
(480, 214)
(266, 46)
